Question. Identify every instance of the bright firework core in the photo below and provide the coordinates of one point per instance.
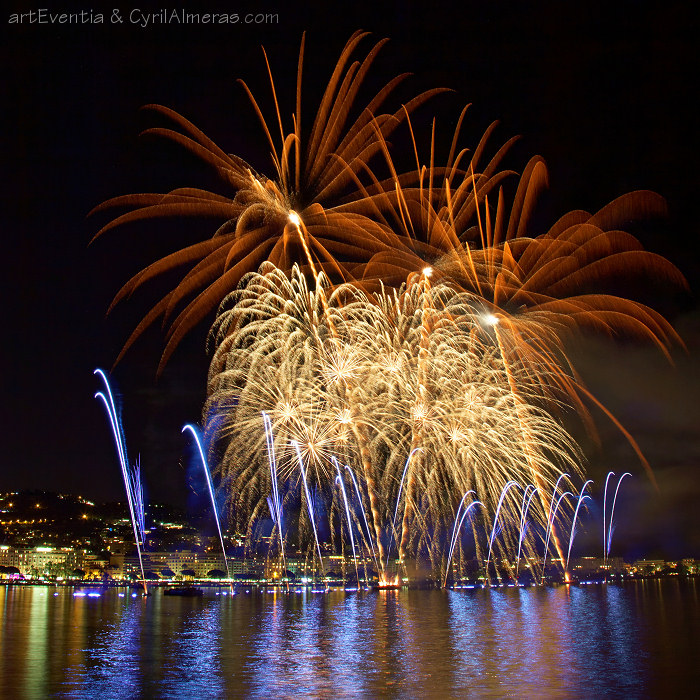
(490, 320)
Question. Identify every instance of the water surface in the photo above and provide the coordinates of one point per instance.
(638, 640)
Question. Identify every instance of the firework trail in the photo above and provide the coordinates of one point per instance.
(210, 486)
(132, 477)
(314, 211)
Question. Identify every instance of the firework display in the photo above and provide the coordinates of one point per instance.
(389, 355)
(368, 381)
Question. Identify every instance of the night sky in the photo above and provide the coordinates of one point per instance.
(605, 92)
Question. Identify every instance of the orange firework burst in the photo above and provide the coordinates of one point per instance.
(314, 212)
(445, 222)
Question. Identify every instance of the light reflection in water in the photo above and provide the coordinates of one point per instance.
(110, 668)
(35, 658)
(625, 641)
(197, 647)
(296, 644)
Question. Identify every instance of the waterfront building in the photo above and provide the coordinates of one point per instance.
(58, 562)
(648, 567)
(585, 566)
(201, 563)
(690, 566)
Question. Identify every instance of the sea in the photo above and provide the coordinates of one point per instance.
(638, 639)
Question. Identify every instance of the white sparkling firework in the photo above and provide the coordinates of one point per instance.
(367, 380)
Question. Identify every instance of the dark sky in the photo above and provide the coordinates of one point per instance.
(605, 92)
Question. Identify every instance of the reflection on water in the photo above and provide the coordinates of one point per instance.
(636, 640)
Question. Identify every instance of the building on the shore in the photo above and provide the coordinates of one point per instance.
(53, 562)
(587, 566)
(180, 564)
(69, 562)
(690, 566)
(648, 567)
(161, 564)
(294, 568)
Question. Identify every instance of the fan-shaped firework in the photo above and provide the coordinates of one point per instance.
(370, 381)
(315, 212)
(555, 277)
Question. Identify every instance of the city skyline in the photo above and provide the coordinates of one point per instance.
(49, 535)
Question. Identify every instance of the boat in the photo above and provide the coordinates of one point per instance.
(185, 591)
(387, 585)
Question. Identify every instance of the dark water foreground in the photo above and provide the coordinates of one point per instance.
(641, 639)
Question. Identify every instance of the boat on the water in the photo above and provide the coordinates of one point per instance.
(185, 591)
(387, 585)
